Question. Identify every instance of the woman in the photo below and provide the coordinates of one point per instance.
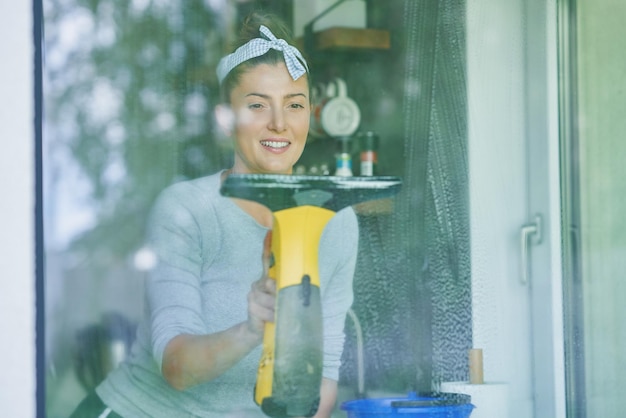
(209, 296)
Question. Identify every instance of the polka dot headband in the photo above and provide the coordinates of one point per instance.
(296, 65)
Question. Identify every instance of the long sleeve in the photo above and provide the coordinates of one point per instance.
(179, 241)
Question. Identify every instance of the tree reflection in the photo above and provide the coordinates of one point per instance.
(129, 92)
(130, 88)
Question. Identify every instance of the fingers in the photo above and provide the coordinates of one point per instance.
(261, 301)
(269, 285)
(261, 298)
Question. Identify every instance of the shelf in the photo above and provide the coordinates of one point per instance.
(338, 38)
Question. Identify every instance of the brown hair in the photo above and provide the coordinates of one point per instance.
(250, 30)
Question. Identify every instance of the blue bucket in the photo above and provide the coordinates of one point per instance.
(431, 405)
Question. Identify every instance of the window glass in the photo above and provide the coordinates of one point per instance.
(130, 93)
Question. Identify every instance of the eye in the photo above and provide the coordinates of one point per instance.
(255, 106)
(296, 106)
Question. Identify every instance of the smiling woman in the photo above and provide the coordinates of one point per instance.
(209, 294)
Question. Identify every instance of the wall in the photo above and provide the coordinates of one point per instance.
(17, 286)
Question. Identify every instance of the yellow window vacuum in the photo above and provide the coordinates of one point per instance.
(290, 369)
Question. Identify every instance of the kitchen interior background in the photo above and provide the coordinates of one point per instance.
(129, 91)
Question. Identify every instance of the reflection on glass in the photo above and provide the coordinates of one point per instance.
(129, 97)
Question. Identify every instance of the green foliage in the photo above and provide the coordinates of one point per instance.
(130, 98)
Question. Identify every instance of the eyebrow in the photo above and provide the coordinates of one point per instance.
(266, 96)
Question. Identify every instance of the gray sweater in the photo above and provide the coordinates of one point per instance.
(208, 253)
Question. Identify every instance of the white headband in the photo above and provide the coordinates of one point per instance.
(296, 65)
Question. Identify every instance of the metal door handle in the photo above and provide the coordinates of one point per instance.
(528, 230)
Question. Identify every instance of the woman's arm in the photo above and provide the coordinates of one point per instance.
(328, 398)
(192, 359)
(181, 239)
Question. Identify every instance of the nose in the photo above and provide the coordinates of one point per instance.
(277, 122)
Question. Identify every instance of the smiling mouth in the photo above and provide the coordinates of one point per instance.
(275, 144)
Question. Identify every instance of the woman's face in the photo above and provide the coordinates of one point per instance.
(271, 119)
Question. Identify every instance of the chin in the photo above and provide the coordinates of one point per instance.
(279, 170)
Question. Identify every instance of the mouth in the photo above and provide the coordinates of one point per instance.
(275, 144)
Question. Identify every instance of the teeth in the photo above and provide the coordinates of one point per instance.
(274, 144)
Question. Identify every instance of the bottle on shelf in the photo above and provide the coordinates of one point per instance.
(368, 143)
(343, 165)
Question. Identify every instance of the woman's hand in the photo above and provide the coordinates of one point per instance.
(261, 299)
(262, 295)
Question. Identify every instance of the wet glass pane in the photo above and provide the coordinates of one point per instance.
(130, 94)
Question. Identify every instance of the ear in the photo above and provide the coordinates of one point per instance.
(225, 118)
